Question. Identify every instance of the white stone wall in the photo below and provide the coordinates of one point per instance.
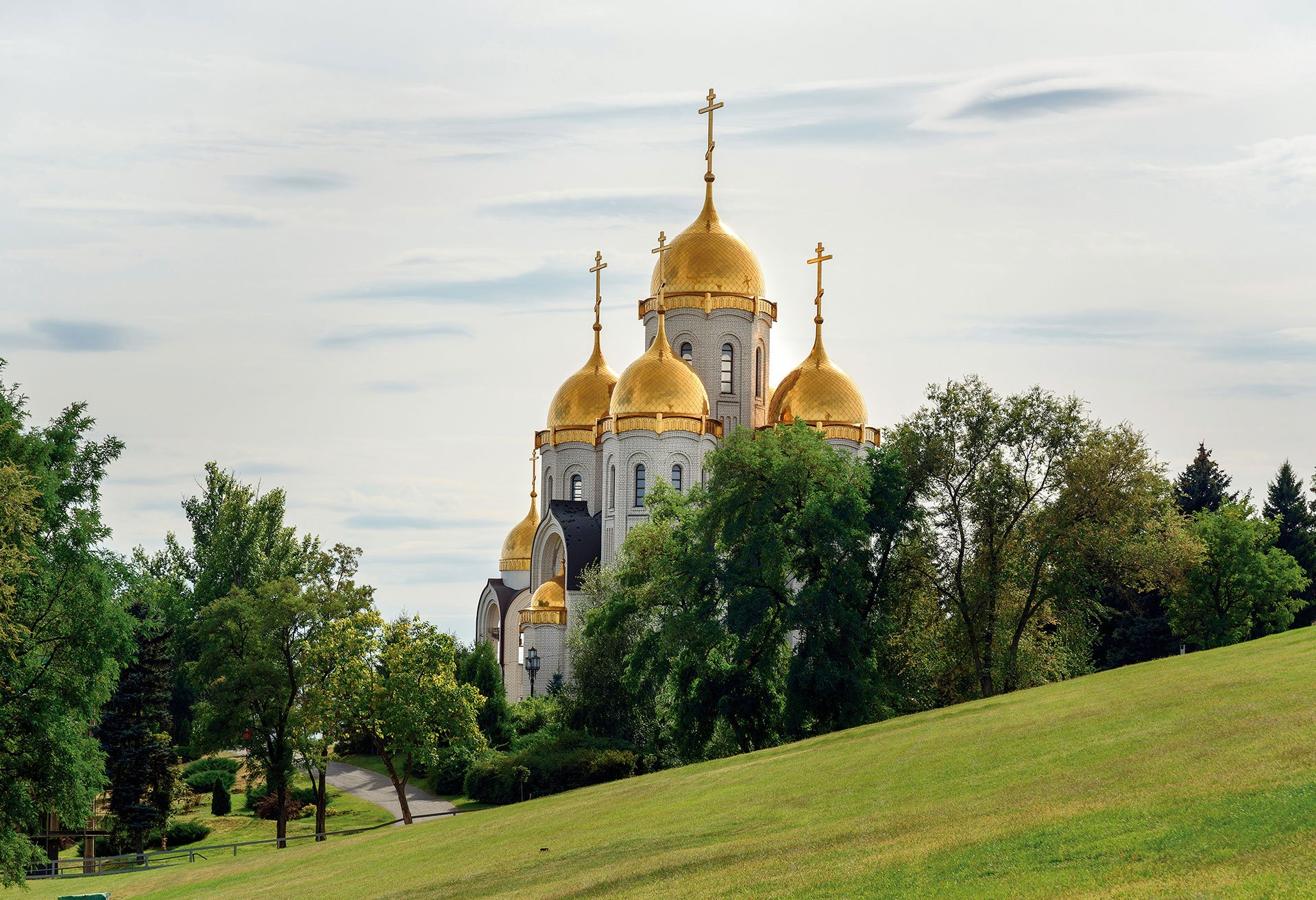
(550, 642)
(747, 403)
(512, 671)
(658, 453)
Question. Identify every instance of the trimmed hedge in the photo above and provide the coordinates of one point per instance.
(221, 804)
(204, 782)
(186, 831)
(212, 764)
(559, 762)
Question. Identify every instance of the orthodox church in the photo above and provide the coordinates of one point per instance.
(608, 439)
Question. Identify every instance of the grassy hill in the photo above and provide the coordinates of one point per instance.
(1192, 775)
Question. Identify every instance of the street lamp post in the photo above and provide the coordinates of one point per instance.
(532, 666)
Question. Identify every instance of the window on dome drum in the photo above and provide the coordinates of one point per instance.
(728, 362)
(612, 487)
(639, 484)
(677, 472)
(548, 488)
(687, 352)
(577, 488)
(758, 371)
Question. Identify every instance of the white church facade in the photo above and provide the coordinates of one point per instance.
(704, 372)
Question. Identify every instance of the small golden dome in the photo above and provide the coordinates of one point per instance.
(659, 382)
(552, 594)
(817, 391)
(709, 257)
(584, 397)
(515, 556)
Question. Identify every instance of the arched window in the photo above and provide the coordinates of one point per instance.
(677, 473)
(758, 371)
(639, 484)
(687, 352)
(612, 487)
(548, 488)
(728, 361)
(577, 487)
(703, 475)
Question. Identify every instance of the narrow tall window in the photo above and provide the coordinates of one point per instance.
(548, 488)
(758, 371)
(639, 485)
(728, 361)
(677, 472)
(577, 488)
(687, 352)
(612, 487)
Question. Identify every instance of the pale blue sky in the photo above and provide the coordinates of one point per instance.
(342, 249)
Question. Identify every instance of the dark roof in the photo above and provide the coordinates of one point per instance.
(583, 534)
(504, 594)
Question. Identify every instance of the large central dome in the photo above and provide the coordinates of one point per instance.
(708, 257)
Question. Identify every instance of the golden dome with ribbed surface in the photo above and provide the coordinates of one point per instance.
(515, 556)
(817, 391)
(659, 382)
(552, 594)
(583, 398)
(709, 257)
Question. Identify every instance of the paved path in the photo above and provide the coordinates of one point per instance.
(377, 789)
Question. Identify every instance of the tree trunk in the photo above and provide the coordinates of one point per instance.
(399, 785)
(281, 828)
(321, 797)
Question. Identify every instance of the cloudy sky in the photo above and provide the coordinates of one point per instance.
(342, 249)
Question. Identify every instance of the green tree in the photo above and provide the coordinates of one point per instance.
(239, 540)
(63, 624)
(406, 699)
(1286, 506)
(221, 804)
(478, 666)
(1202, 485)
(134, 725)
(1243, 585)
(255, 660)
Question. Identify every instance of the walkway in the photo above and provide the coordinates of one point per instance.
(377, 789)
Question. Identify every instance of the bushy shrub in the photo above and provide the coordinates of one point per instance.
(554, 763)
(267, 807)
(186, 831)
(448, 775)
(212, 764)
(221, 804)
(202, 782)
(258, 790)
(531, 715)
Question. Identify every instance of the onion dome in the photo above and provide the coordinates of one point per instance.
(515, 555)
(708, 257)
(817, 391)
(548, 604)
(584, 397)
(660, 382)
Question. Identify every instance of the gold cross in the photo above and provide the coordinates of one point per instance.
(711, 144)
(818, 261)
(533, 473)
(597, 269)
(661, 249)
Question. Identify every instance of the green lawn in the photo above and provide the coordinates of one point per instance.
(1191, 776)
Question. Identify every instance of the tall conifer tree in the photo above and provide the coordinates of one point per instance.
(1202, 485)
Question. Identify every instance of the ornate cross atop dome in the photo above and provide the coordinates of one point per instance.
(708, 155)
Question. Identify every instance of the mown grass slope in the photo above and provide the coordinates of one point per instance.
(1192, 775)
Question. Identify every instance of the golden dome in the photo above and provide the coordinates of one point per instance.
(659, 382)
(584, 397)
(708, 257)
(552, 594)
(548, 605)
(515, 556)
(817, 391)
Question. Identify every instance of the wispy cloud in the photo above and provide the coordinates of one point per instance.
(1079, 327)
(1286, 165)
(592, 205)
(404, 522)
(157, 215)
(393, 387)
(537, 287)
(1297, 344)
(73, 336)
(298, 181)
(385, 334)
(1032, 98)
